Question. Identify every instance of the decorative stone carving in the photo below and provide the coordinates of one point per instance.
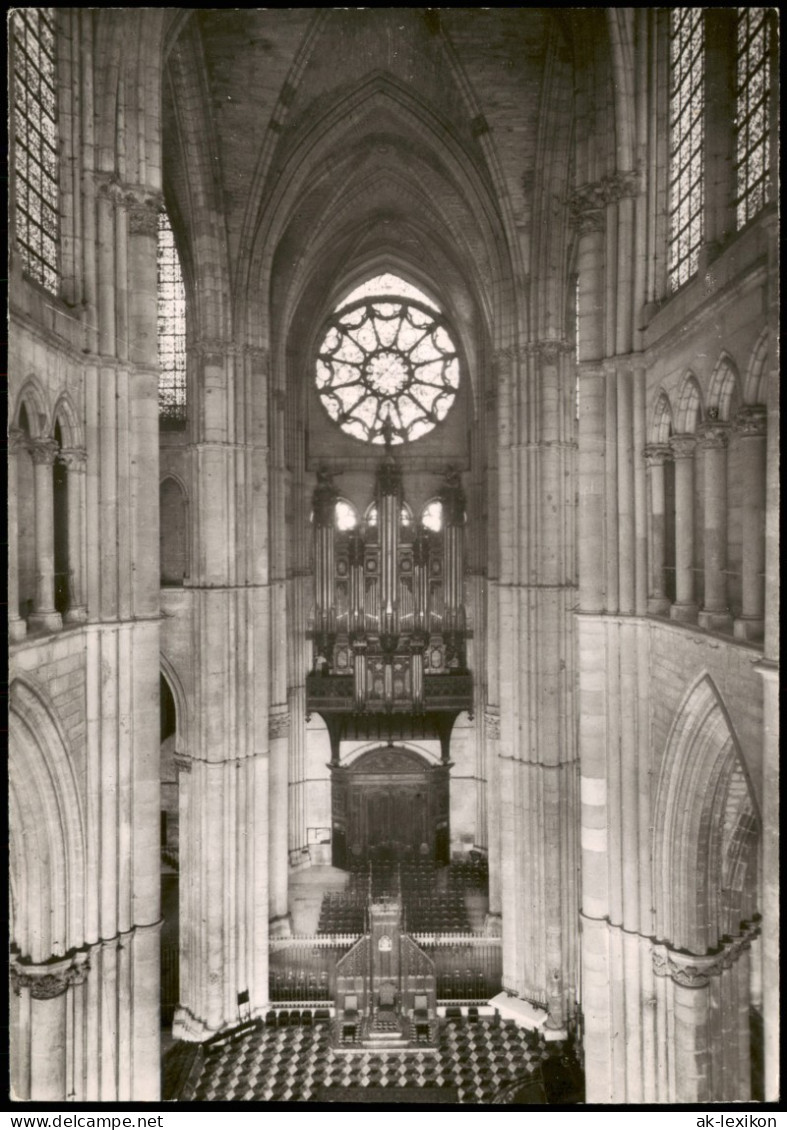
(324, 498)
(492, 725)
(74, 458)
(45, 982)
(143, 220)
(714, 434)
(657, 454)
(694, 971)
(453, 497)
(44, 451)
(752, 420)
(683, 446)
(278, 725)
(622, 184)
(586, 208)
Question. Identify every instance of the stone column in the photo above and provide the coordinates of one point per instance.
(656, 456)
(751, 426)
(41, 1066)
(710, 1043)
(685, 607)
(75, 460)
(17, 628)
(715, 613)
(278, 736)
(44, 615)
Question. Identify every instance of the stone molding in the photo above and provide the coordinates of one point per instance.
(657, 454)
(683, 446)
(44, 451)
(694, 971)
(752, 420)
(50, 980)
(714, 434)
(587, 204)
(182, 762)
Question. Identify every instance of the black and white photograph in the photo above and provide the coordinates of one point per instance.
(393, 558)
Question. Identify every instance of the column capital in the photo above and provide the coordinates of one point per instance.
(492, 723)
(586, 207)
(74, 458)
(44, 451)
(548, 351)
(714, 434)
(657, 454)
(752, 420)
(694, 971)
(50, 979)
(683, 446)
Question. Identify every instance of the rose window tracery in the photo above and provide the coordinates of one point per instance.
(387, 366)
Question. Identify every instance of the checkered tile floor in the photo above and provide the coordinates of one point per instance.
(294, 1064)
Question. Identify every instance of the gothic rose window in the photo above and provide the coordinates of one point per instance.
(387, 365)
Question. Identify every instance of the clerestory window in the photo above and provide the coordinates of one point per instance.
(687, 130)
(35, 144)
(752, 97)
(387, 367)
(171, 330)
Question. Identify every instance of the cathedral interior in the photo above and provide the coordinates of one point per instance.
(393, 472)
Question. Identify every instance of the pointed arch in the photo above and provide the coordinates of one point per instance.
(705, 828)
(689, 412)
(181, 703)
(661, 423)
(724, 391)
(755, 384)
(67, 416)
(33, 398)
(47, 829)
(173, 530)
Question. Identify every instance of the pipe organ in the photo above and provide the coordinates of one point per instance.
(389, 630)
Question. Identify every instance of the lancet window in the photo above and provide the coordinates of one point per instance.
(35, 142)
(171, 330)
(752, 143)
(686, 121)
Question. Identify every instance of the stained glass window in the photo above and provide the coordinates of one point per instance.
(432, 517)
(387, 284)
(35, 139)
(171, 330)
(387, 366)
(686, 119)
(346, 518)
(752, 97)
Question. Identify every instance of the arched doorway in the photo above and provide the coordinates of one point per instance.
(390, 804)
